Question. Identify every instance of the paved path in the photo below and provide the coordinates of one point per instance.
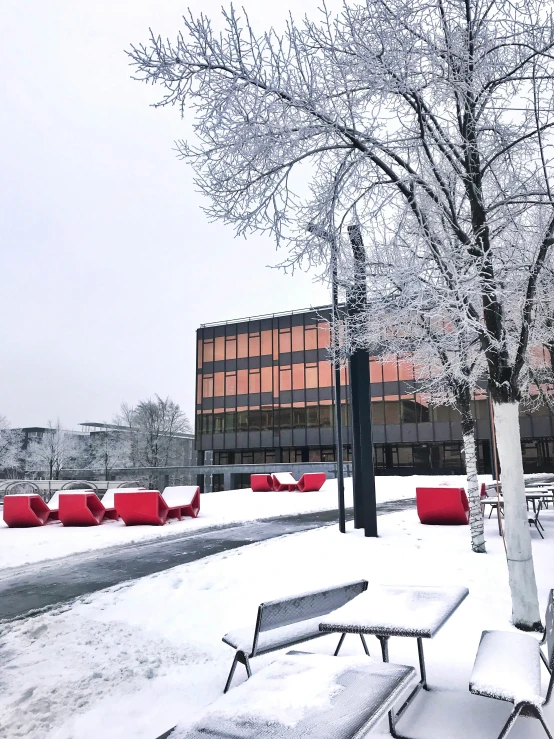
(31, 588)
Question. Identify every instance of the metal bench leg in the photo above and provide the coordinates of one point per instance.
(339, 645)
(544, 726)
(510, 722)
(243, 659)
(233, 668)
(362, 637)
(422, 670)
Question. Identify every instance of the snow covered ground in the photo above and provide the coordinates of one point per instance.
(23, 546)
(134, 660)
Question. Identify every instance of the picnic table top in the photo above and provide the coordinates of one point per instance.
(396, 611)
(305, 696)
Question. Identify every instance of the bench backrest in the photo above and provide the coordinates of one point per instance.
(287, 611)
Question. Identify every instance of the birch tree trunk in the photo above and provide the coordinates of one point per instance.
(521, 571)
(476, 523)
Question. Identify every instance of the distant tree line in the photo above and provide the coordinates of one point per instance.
(144, 435)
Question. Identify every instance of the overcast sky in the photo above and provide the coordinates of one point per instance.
(108, 263)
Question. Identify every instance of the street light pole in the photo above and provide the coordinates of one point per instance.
(338, 399)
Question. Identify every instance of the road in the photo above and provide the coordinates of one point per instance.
(32, 588)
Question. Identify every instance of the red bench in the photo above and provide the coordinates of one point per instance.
(311, 482)
(83, 508)
(24, 511)
(283, 481)
(442, 506)
(261, 483)
(145, 507)
(185, 497)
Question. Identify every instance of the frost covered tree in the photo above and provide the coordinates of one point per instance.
(110, 449)
(11, 445)
(155, 425)
(437, 116)
(55, 450)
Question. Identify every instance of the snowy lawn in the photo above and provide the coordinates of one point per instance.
(23, 546)
(134, 660)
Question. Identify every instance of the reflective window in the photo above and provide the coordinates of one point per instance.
(242, 382)
(219, 423)
(242, 421)
(298, 338)
(199, 353)
(310, 337)
(297, 376)
(284, 340)
(323, 335)
(254, 381)
(208, 386)
(325, 374)
(219, 348)
(267, 383)
(231, 347)
(285, 378)
(230, 383)
(267, 342)
(254, 345)
(311, 375)
(242, 345)
(390, 370)
(219, 384)
(208, 350)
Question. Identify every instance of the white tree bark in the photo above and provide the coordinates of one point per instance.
(521, 571)
(476, 524)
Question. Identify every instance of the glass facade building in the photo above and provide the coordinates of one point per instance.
(264, 394)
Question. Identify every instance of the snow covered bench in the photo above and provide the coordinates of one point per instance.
(289, 621)
(26, 511)
(82, 508)
(508, 667)
(261, 483)
(185, 497)
(306, 696)
(144, 507)
(283, 481)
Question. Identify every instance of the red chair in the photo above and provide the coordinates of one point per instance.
(261, 483)
(82, 509)
(283, 481)
(24, 511)
(144, 508)
(311, 482)
(442, 506)
(185, 497)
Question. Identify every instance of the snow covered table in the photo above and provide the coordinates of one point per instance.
(307, 696)
(416, 612)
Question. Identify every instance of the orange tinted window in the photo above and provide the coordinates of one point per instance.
(390, 370)
(323, 335)
(242, 345)
(405, 370)
(298, 338)
(284, 378)
(284, 341)
(208, 386)
(231, 347)
(219, 351)
(254, 380)
(375, 371)
(242, 382)
(199, 354)
(231, 383)
(298, 376)
(325, 374)
(254, 345)
(208, 351)
(219, 383)
(199, 389)
(267, 342)
(311, 375)
(267, 384)
(310, 337)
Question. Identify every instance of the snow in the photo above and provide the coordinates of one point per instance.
(24, 546)
(401, 610)
(508, 667)
(136, 659)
